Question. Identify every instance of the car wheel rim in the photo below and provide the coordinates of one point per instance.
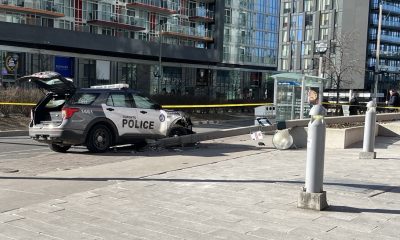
(100, 139)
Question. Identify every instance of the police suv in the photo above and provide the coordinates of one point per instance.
(98, 117)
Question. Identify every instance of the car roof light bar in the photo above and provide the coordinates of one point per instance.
(112, 86)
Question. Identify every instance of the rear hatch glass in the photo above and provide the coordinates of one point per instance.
(82, 98)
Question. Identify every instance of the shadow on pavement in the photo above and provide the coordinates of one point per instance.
(213, 149)
(380, 143)
(383, 188)
(24, 144)
(333, 208)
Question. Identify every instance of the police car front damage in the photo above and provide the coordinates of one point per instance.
(181, 119)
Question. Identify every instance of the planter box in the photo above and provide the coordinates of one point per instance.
(335, 137)
(389, 129)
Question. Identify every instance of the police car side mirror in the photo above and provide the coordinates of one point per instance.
(156, 106)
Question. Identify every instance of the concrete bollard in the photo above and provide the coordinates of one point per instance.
(369, 132)
(312, 196)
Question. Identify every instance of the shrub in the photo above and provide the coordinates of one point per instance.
(18, 95)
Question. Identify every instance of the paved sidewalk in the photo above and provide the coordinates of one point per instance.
(225, 189)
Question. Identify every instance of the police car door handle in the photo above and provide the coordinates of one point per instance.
(110, 109)
(144, 112)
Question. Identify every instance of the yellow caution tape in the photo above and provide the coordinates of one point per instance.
(209, 105)
(218, 105)
(18, 104)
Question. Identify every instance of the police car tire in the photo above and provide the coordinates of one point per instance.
(92, 143)
(177, 131)
(59, 148)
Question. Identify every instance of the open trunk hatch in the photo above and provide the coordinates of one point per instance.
(51, 81)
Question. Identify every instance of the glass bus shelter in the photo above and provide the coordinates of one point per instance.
(295, 94)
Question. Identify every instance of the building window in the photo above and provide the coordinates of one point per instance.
(285, 50)
(227, 35)
(285, 36)
(284, 64)
(324, 33)
(242, 19)
(324, 19)
(309, 19)
(308, 64)
(285, 21)
(324, 4)
(241, 54)
(286, 7)
(308, 5)
(306, 49)
(228, 15)
(308, 35)
(226, 53)
(242, 37)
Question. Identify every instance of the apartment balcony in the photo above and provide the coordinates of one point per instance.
(387, 24)
(386, 68)
(41, 8)
(386, 54)
(205, 1)
(201, 15)
(387, 38)
(166, 7)
(241, 58)
(119, 21)
(389, 8)
(187, 32)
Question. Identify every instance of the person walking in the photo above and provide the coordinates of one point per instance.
(354, 105)
(394, 100)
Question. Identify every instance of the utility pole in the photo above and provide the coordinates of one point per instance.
(378, 52)
(160, 70)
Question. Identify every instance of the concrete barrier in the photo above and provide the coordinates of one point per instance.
(299, 135)
(14, 133)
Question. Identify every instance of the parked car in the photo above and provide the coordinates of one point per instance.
(98, 117)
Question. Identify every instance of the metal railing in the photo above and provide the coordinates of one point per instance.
(46, 5)
(386, 23)
(116, 18)
(185, 30)
(167, 4)
(248, 58)
(390, 7)
(201, 12)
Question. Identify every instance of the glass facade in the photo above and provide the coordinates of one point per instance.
(304, 24)
(187, 22)
(251, 32)
(389, 58)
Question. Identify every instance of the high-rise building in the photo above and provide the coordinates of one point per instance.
(214, 48)
(388, 68)
(342, 26)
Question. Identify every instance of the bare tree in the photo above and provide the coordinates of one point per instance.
(342, 63)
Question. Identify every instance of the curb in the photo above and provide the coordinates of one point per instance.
(14, 133)
(200, 122)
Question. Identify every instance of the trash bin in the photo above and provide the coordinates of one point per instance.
(263, 115)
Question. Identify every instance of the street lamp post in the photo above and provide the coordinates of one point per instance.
(160, 69)
(378, 52)
(15, 59)
(321, 48)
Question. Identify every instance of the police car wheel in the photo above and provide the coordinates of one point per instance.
(99, 139)
(177, 131)
(59, 148)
